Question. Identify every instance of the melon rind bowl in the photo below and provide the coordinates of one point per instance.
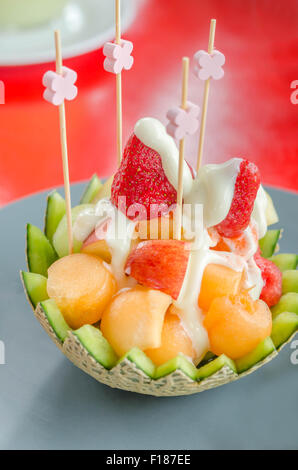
(87, 349)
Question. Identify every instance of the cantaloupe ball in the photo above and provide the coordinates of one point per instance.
(218, 281)
(135, 318)
(158, 228)
(82, 287)
(98, 248)
(236, 325)
(174, 340)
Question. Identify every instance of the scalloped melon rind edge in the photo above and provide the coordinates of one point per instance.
(42, 318)
(127, 376)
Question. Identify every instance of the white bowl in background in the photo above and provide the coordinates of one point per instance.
(85, 25)
(27, 13)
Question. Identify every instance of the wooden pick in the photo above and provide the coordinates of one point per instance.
(63, 140)
(185, 74)
(118, 83)
(206, 97)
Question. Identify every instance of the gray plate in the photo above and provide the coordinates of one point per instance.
(47, 403)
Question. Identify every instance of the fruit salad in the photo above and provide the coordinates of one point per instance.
(217, 298)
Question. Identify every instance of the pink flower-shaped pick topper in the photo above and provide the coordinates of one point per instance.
(118, 56)
(60, 87)
(183, 122)
(209, 65)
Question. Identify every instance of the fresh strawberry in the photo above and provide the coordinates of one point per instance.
(160, 264)
(272, 278)
(246, 188)
(141, 179)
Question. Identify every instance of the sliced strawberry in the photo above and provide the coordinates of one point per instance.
(160, 264)
(272, 277)
(142, 180)
(246, 188)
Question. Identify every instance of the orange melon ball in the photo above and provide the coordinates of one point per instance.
(135, 318)
(174, 340)
(98, 248)
(82, 287)
(218, 281)
(158, 228)
(236, 325)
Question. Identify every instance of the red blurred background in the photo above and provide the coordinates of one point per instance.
(250, 113)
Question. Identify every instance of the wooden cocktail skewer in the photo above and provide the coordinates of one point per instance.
(63, 140)
(118, 57)
(206, 96)
(177, 228)
(118, 84)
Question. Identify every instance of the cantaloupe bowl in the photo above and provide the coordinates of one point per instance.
(94, 343)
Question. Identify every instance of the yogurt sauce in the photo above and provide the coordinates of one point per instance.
(118, 235)
(250, 242)
(190, 314)
(214, 188)
(153, 134)
(259, 212)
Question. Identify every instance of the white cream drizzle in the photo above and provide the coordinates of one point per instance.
(214, 188)
(191, 315)
(250, 245)
(253, 279)
(259, 212)
(153, 134)
(85, 224)
(118, 235)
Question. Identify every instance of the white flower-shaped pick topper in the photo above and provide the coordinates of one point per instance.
(183, 122)
(209, 65)
(118, 56)
(60, 87)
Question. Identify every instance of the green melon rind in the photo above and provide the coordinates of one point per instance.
(259, 354)
(60, 240)
(285, 261)
(140, 359)
(55, 319)
(214, 366)
(290, 281)
(35, 286)
(97, 346)
(284, 326)
(287, 303)
(91, 190)
(177, 363)
(55, 210)
(104, 192)
(268, 243)
(125, 374)
(209, 356)
(271, 214)
(39, 251)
